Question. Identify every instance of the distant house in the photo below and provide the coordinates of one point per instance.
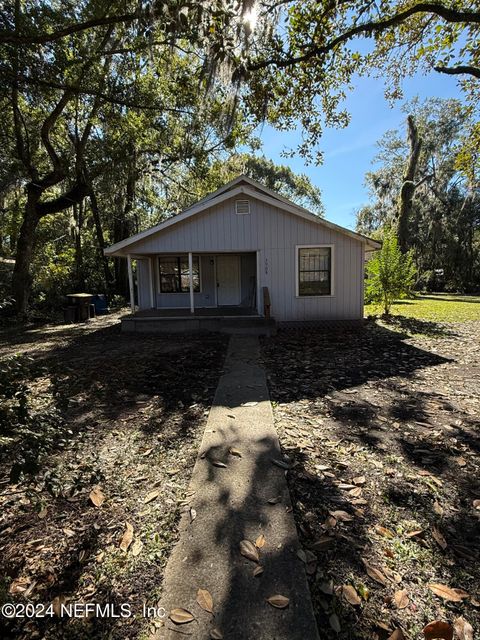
(244, 250)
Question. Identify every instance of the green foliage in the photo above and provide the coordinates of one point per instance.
(444, 229)
(305, 70)
(391, 274)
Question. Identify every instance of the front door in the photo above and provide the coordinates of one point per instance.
(228, 281)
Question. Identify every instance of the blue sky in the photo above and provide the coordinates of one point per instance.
(348, 153)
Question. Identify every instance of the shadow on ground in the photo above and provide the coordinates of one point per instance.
(394, 414)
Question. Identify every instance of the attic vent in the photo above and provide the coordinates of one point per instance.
(242, 207)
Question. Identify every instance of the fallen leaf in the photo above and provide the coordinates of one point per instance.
(280, 463)
(452, 595)
(355, 492)
(302, 555)
(374, 573)
(151, 496)
(323, 543)
(193, 514)
(401, 599)
(476, 504)
(460, 461)
(249, 404)
(438, 629)
(415, 534)
(343, 516)
(249, 550)
(96, 496)
(216, 634)
(258, 571)
(205, 600)
(326, 587)
(260, 541)
(383, 531)
(439, 539)
(351, 595)
(278, 601)
(181, 616)
(438, 508)
(359, 480)
(127, 537)
(335, 623)
(19, 585)
(463, 629)
(274, 500)
(137, 548)
(330, 523)
(218, 463)
(235, 452)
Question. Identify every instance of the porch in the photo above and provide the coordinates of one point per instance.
(226, 282)
(214, 292)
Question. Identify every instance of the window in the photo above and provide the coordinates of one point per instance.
(174, 276)
(314, 271)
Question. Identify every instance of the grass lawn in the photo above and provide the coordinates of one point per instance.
(435, 307)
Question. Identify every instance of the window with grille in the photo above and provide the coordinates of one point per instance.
(174, 274)
(314, 271)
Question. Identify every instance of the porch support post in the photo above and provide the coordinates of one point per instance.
(190, 276)
(259, 288)
(152, 284)
(130, 283)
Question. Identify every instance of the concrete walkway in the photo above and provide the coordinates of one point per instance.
(231, 505)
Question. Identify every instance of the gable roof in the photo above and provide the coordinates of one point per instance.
(243, 185)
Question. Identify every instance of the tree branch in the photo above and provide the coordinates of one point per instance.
(460, 70)
(78, 90)
(74, 195)
(58, 173)
(369, 28)
(9, 37)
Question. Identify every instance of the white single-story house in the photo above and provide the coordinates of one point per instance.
(245, 250)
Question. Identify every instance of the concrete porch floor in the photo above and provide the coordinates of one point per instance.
(210, 312)
(231, 320)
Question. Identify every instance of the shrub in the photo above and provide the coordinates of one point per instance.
(391, 274)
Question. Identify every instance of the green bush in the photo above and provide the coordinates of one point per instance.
(391, 274)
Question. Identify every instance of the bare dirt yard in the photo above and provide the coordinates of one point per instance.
(381, 426)
(99, 433)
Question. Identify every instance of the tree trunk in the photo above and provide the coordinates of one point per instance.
(21, 278)
(408, 187)
(107, 274)
(79, 274)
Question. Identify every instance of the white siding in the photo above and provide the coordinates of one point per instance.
(275, 234)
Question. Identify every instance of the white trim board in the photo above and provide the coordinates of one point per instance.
(226, 193)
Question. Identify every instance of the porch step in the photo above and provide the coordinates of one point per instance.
(240, 325)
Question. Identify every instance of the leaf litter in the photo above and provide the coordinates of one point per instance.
(127, 431)
(401, 450)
